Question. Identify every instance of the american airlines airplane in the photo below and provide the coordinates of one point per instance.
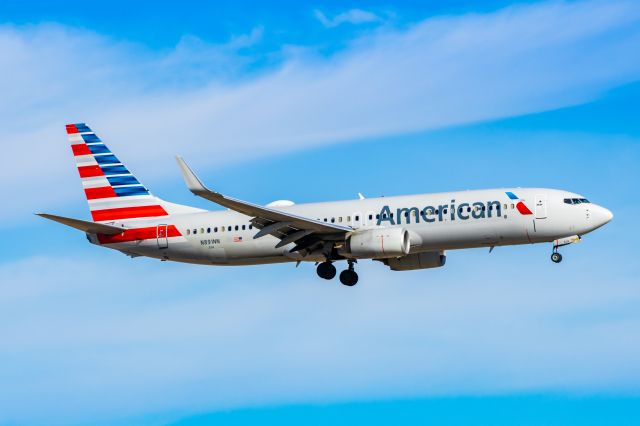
(405, 232)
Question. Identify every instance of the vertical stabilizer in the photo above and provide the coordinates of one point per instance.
(113, 193)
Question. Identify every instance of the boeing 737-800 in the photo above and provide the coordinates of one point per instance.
(404, 232)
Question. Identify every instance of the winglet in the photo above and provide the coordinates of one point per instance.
(194, 184)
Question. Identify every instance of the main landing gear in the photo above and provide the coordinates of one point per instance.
(348, 277)
(326, 270)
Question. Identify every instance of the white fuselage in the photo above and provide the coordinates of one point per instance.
(435, 222)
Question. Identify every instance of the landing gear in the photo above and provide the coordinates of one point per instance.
(349, 277)
(326, 270)
(556, 257)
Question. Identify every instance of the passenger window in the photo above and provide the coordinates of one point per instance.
(357, 218)
(513, 206)
(506, 207)
(208, 230)
(378, 216)
(195, 231)
(244, 227)
(229, 228)
(202, 230)
(468, 209)
(333, 220)
(340, 219)
(188, 231)
(325, 219)
(236, 227)
(250, 226)
(444, 211)
(370, 217)
(348, 218)
(215, 229)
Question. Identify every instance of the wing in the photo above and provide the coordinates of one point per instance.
(83, 225)
(289, 228)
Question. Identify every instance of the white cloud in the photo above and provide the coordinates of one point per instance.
(352, 16)
(178, 339)
(149, 106)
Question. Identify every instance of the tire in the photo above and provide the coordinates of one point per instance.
(349, 278)
(556, 257)
(326, 270)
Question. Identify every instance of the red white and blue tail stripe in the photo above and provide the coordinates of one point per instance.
(112, 192)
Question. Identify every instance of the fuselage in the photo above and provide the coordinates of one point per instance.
(435, 222)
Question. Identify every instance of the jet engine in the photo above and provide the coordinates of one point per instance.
(431, 259)
(378, 243)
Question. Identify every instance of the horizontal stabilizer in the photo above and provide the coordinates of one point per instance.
(83, 225)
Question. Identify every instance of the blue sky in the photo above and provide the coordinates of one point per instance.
(313, 102)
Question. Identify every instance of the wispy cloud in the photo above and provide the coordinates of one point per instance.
(352, 16)
(443, 71)
(167, 338)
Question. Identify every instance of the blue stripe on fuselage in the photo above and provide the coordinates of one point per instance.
(511, 195)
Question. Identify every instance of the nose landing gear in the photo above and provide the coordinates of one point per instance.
(557, 257)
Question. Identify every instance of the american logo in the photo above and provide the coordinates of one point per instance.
(463, 211)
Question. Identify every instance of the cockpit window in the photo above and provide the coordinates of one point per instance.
(576, 201)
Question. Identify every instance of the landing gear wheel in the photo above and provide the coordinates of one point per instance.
(556, 257)
(326, 270)
(349, 277)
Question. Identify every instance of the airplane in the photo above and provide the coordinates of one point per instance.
(403, 232)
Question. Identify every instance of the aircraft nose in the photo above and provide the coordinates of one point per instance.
(602, 215)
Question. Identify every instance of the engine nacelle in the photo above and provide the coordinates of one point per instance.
(379, 243)
(431, 259)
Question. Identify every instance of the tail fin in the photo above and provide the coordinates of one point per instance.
(112, 192)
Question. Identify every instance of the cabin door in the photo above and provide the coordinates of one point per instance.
(161, 235)
(541, 206)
